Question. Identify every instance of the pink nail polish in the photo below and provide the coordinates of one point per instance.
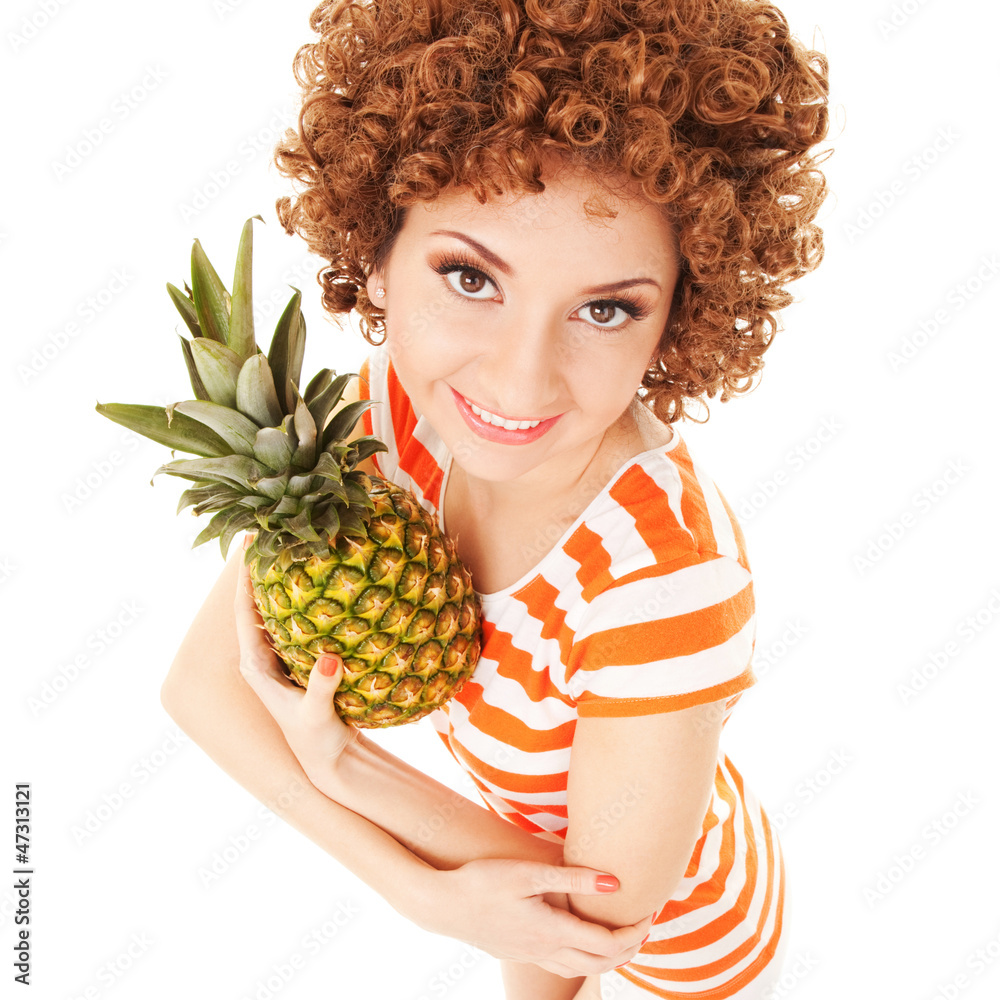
(327, 665)
(607, 883)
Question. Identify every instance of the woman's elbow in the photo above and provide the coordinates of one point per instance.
(171, 696)
(179, 691)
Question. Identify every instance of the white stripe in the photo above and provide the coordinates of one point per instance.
(679, 675)
(681, 592)
(378, 389)
(705, 915)
(722, 527)
(494, 752)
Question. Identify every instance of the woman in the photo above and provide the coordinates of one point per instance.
(567, 222)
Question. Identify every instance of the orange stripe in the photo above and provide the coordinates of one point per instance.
(424, 470)
(469, 694)
(364, 392)
(741, 542)
(644, 500)
(528, 809)
(513, 816)
(587, 548)
(539, 598)
(600, 707)
(747, 975)
(743, 978)
(664, 638)
(708, 824)
(509, 729)
(693, 505)
(524, 824)
(507, 780)
(709, 890)
(662, 570)
(517, 665)
(414, 459)
(727, 922)
(404, 420)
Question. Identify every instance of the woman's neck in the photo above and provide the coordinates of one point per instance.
(503, 529)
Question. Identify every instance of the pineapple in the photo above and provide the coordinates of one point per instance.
(341, 562)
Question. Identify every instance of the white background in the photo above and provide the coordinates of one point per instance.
(827, 458)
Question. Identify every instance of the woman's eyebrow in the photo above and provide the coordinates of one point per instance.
(504, 268)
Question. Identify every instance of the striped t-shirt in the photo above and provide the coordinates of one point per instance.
(644, 605)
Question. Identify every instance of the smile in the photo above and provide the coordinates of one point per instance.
(492, 418)
(503, 430)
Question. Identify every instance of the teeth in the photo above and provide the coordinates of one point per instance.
(509, 425)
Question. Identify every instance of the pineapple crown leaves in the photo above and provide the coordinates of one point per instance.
(270, 458)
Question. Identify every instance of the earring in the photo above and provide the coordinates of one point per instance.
(380, 293)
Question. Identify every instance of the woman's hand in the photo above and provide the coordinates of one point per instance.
(314, 731)
(516, 910)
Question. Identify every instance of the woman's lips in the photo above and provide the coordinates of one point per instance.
(500, 435)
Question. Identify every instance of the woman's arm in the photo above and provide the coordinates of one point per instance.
(207, 695)
(632, 818)
(208, 699)
(638, 791)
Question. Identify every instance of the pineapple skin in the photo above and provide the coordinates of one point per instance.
(398, 607)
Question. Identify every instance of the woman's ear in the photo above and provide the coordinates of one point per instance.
(373, 284)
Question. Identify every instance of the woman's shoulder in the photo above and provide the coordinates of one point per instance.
(663, 508)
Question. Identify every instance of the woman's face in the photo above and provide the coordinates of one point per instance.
(521, 329)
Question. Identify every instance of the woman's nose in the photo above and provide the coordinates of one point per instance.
(522, 368)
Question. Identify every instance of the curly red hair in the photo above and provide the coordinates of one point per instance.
(708, 107)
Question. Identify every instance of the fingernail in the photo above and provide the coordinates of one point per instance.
(327, 665)
(607, 883)
(645, 939)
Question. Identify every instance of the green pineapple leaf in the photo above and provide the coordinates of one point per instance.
(351, 524)
(178, 431)
(202, 496)
(225, 524)
(357, 496)
(367, 446)
(322, 404)
(240, 521)
(197, 385)
(218, 367)
(236, 470)
(305, 432)
(211, 300)
(297, 352)
(272, 486)
(241, 333)
(255, 392)
(299, 486)
(236, 430)
(328, 520)
(328, 468)
(344, 421)
(286, 505)
(186, 308)
(273, 447)
(286, 347)
(318, 383)
(301, 527)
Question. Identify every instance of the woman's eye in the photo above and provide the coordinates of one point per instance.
(603, 313)
(470, 283)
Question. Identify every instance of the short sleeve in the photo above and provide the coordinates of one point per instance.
(416, 456)
(372, 385)
(665, 639)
